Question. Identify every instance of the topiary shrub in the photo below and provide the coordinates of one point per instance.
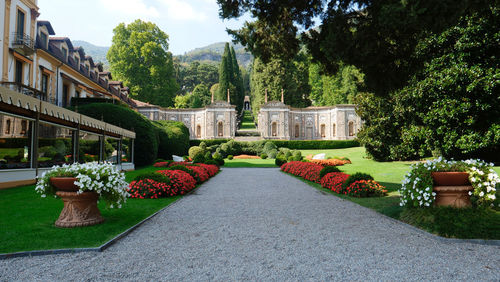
(328, 169)
(280, 160)
(146, 142)
(272, 154)
(355, 177)
(263, 156)
(173, 138)
(230, 157)
(211, 162)
(195, 150)
(199, 158)
(297, 155)
(220, 162)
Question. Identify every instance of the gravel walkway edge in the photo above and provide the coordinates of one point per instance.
(486, 242)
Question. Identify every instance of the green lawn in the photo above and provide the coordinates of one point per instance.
(247, 121)
(27, 220)
(389, 174)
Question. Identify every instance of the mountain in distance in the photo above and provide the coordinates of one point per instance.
(213, 53)
(210, 54)
(98, 53)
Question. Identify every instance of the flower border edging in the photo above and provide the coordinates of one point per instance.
(421, 231)
(96, 249)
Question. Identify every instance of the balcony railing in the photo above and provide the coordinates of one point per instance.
(29, 91)
(24, 42)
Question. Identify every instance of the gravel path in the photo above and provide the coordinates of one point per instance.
(261, 224)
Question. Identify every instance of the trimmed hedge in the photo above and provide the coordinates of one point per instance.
(208, 142)
(146, 142)
(173, 137)
(315, 144)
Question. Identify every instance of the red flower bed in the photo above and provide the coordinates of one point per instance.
(201, 172)
(180, 180)
(334, 181)
(306, 170)
(179, 163)
(150, 189)
(366, 188)
(211, 169)
(161, 164)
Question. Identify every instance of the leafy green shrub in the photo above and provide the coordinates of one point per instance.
(280, 160)
(146, 142)
(272, 154)
(355, 177)
(203, 145)
(208, 156)
(212, 162)
(160, 161)
(199, 158)
(315, 144)
(290, 159)
(263, 156)
(328, 169)
(217, 156)
(220, 161)
(173, 138)
(297, 155)
(208, 142)
(153, 176)
(195, 150)
(230, 157)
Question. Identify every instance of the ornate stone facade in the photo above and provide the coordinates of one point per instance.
(279, 121)
(217, 120)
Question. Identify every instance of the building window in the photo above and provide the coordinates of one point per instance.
(220, 129)
(65, 53)
(274, 129)
(77, 60)
(7, 126)
(297, 130)
(45, 83)
(334, 130)
(323, 130)
(351, 128)
(65, 95)
(19, 72)
(20, 23)
(198, 131)
(77, 94)
(24, 127)
(43, 39)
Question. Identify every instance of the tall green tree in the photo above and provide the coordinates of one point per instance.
(225, 74)
(139, 57)
(237, 82)
(291, 76)
(196, 73)
(378, 37)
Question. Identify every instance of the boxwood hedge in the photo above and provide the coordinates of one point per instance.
(173, 138)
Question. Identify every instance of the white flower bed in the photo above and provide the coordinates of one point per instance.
(103, 178)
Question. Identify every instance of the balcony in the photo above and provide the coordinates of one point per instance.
(23, 43)
(26, 90)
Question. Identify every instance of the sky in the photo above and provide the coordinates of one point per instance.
(189, 23)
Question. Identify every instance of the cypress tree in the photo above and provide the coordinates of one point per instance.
(237, 82)
(225, 74)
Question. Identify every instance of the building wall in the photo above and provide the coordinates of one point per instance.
(279, 121)
(203, 123)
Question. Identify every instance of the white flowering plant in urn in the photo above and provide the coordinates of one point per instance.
(416, 188)
(102, 178)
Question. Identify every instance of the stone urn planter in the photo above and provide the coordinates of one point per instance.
(79, 209)
(452, 189)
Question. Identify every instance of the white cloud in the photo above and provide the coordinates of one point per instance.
(182, 10)
(130, 7)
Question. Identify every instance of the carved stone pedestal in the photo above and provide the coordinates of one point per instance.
(455, 196)
(79, 209)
